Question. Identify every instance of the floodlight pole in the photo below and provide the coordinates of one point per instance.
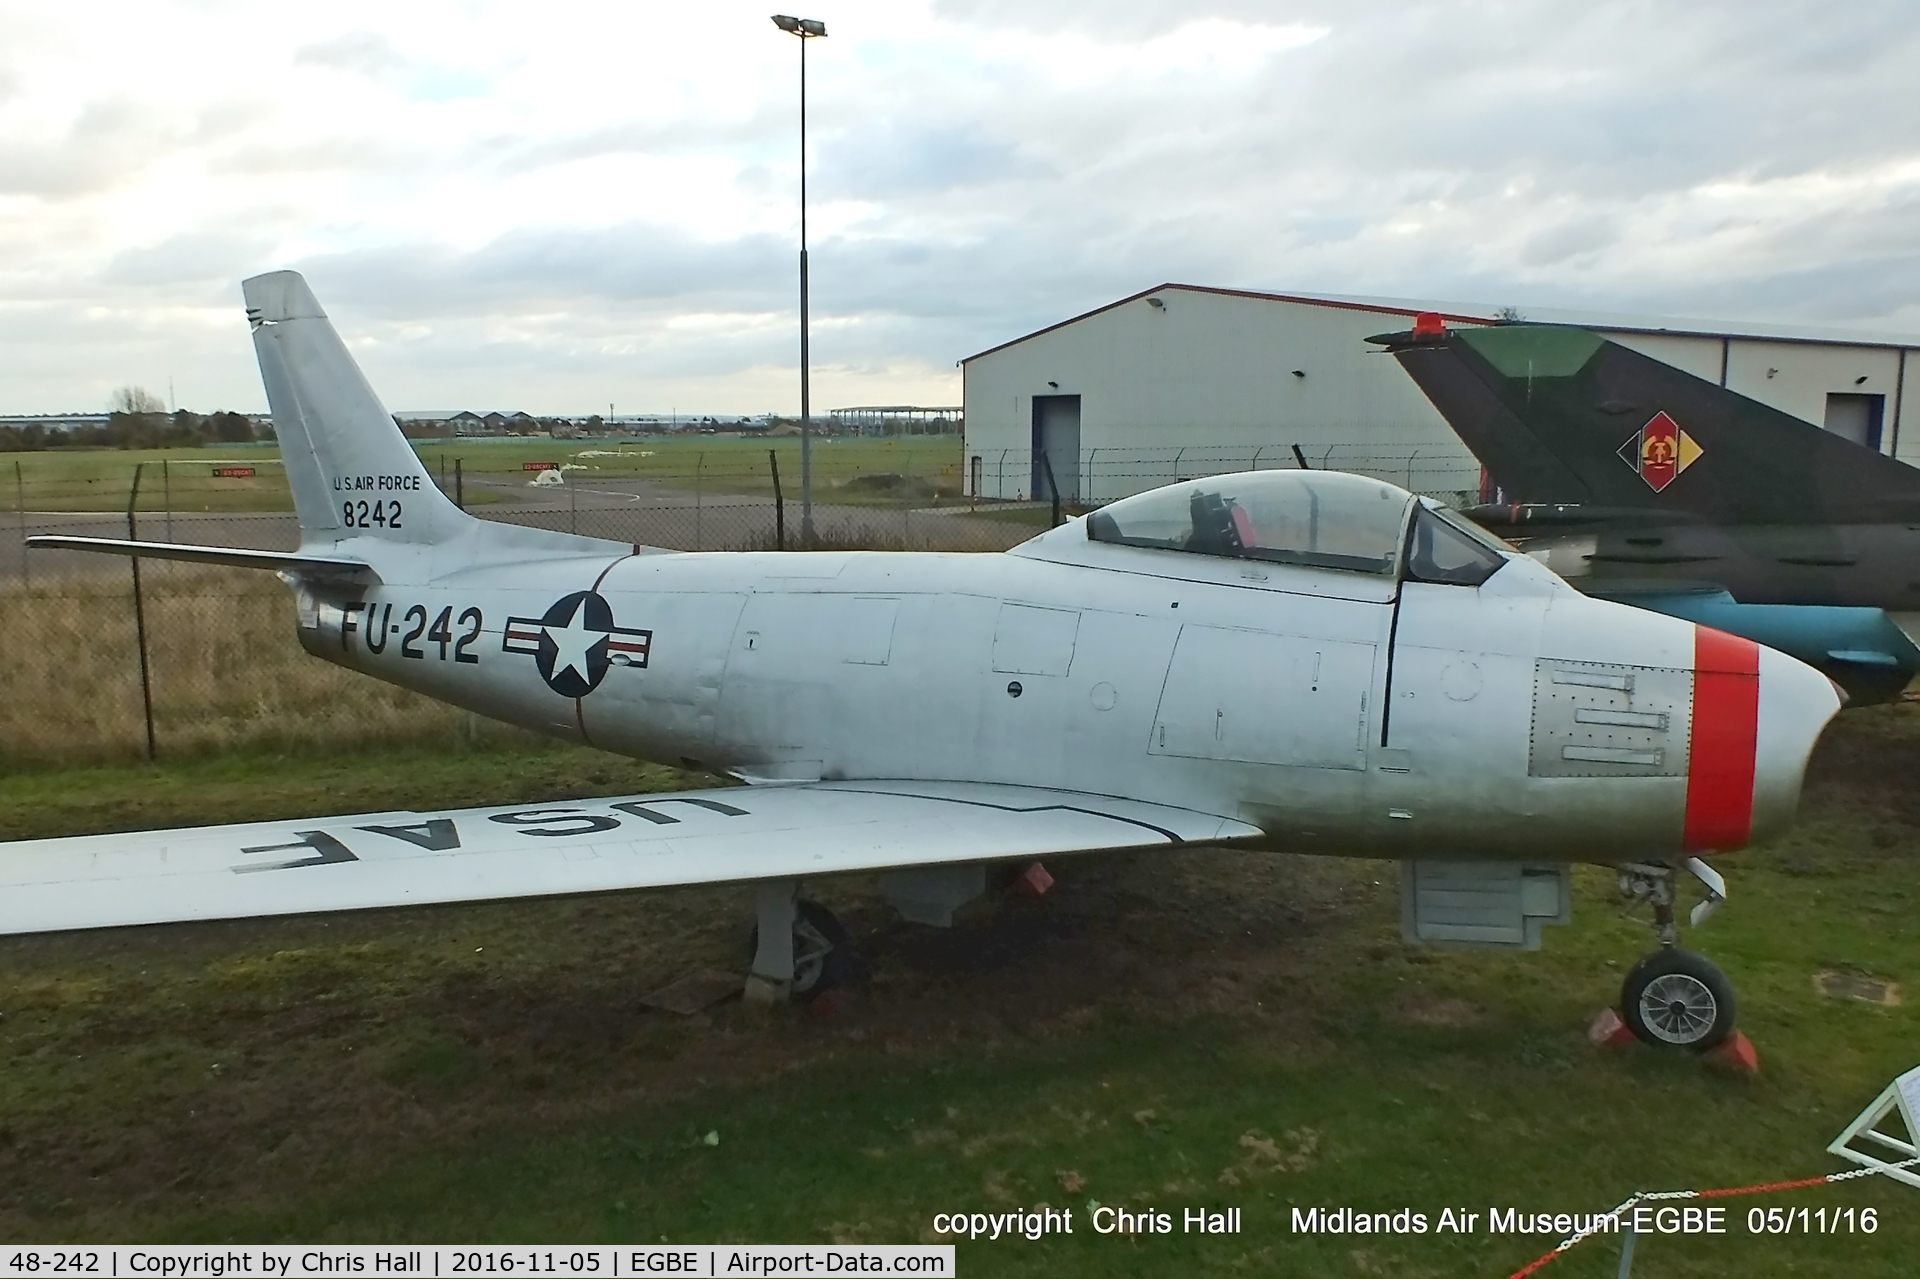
(807, 29)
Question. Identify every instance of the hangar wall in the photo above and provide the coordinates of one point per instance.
(1183, 380)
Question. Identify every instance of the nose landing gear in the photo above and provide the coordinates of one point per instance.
(1673, 997)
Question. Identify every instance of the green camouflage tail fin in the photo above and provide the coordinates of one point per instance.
(1562, 415)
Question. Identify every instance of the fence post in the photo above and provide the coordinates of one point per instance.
(459, 486)
(166, 494)
(1177, 477)
(20, 496)
(699, 471)
(1046, 465)
(779, 503)
(973, 472)
(573, 503)
(140, 613)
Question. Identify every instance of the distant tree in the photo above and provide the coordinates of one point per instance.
(1508, 315)
(135, 399)
(230, 428)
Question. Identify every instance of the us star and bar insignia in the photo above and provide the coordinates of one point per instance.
(574, 643)
(1660, 451)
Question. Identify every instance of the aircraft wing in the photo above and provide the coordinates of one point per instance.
(575, 846)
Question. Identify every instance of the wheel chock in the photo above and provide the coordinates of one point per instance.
(1734, 1055)
(1033, 882)
(1607, 1032)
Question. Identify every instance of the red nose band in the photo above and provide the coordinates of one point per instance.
(1726, 721)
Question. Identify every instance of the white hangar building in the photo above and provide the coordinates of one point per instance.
(1183, 380)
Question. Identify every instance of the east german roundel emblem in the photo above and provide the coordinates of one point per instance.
(574, 643)
(1660, 451)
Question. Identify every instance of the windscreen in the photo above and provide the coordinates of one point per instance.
(1447, 549)
(1319, 519)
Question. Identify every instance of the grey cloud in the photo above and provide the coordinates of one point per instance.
(1541, 155)
(883, 160)
(537, 269)
(110, 143)
(1568, 239)
(366, 53)
(351, 154)
(1124, 19)
(209, 257)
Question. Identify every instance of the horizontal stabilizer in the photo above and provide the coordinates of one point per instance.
(573, 846)
(232, 557)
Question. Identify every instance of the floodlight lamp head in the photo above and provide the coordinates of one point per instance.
(785, 23)
(805, 28)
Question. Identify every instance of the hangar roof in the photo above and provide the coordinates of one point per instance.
(1475, 313)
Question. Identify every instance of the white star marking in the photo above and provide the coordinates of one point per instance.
(571, 643)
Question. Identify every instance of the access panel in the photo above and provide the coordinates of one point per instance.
(1261, 698)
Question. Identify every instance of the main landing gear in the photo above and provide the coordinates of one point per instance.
(1675, 998)
(799, 950)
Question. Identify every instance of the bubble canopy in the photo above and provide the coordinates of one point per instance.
(1316, 519)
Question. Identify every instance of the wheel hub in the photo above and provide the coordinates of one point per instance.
(1678, 1008)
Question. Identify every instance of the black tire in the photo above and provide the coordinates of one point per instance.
(1676, 999)
(823, 956)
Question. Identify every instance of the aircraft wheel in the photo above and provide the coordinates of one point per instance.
(823, 956)
(1676, 999)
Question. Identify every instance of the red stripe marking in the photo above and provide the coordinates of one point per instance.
(1726, 721)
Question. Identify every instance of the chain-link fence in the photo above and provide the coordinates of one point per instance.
(1092, 477)
(108, 658)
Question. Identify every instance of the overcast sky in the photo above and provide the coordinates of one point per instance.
(560, 205)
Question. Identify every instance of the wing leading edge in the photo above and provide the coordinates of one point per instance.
(581, 846)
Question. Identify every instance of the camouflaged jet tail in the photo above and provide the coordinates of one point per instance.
(1562, 415)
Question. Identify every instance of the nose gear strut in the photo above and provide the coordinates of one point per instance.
(1674, 997)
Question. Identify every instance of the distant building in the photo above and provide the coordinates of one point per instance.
(53, 421)
(898, 419)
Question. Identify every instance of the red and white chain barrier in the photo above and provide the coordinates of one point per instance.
(1649, 1196)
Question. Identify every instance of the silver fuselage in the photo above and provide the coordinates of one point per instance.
(1340, 712)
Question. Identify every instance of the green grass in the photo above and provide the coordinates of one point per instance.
(846, 470)
(1207, 1029)
(182, 480)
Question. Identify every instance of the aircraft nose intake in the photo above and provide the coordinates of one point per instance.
(1756, 716)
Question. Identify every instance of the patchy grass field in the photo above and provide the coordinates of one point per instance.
(920, 470)
(227, 672)
(1198, 1030)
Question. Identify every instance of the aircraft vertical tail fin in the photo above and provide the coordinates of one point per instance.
(352, 472)
(354, 475)
(1563, 415)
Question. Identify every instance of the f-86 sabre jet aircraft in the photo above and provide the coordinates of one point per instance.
(1304, 661)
